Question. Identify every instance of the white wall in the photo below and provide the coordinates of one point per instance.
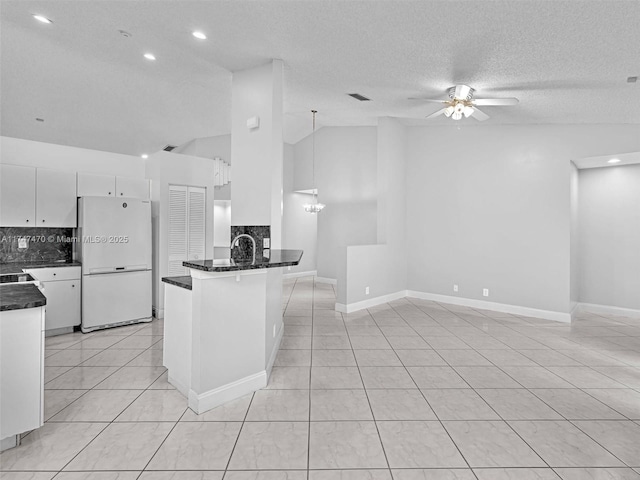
(346, 180)
(574, 290)
(489, 207)
(389, 255)
(17, 151)
(299, 228)
(257, 154)
(609, 236)
(210, 147)
(164, 168)
(222, 223)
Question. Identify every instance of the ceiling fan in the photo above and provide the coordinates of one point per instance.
(462, 104)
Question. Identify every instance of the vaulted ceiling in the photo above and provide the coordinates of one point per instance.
(567, 62)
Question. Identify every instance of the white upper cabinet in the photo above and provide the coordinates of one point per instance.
(132, 187)
(17, 196)
(56, 198)
(94, 185)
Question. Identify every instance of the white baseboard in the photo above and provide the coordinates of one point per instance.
(331, 281)
(372, 302)
(310, 273)
(183, 389)
(607, 309)
(203, 402)
(496, 307)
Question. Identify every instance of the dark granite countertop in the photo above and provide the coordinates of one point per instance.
(16, 296)
(278, 258)
(182, 281)
(17, 267)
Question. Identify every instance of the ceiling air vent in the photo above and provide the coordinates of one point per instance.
(357, 96)
(632, 79)
(168, 148)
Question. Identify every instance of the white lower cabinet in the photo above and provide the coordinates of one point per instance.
(21, 371)
(61, 286)
(63, 303)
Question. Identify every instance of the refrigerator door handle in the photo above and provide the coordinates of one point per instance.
(128, 268)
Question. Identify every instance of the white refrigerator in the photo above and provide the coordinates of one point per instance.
(114, 237)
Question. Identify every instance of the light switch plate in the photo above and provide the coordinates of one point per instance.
(266, 253)
(266, 242)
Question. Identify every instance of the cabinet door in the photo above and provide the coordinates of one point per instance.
(56, 198)
(93, 185)
(63, 303)
(17, 196)
(21, 367)
(132, 187)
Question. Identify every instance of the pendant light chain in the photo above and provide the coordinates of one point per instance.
(313, 157)
(314, 206)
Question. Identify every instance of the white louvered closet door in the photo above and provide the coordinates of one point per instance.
(196, 210)
(186, 226)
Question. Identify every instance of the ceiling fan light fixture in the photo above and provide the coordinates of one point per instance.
(448, 111)
(468, 111)
(456, 115)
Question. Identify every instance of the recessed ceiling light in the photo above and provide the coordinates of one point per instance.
(149, 56)
(199, 35)
(41, 18)
(144, 155)
(614, 160)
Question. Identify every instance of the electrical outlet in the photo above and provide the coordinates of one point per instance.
(266, 243)
(455, 287)
(289, 269)
(23, 242)
(266, 253)
(485, 292)
(366, 290)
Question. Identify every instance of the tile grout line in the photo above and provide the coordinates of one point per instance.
(562, 416)
(107, 424)
(423, 396)
(364, 387)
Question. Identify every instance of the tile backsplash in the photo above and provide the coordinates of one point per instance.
(244, 249)
(42, 244)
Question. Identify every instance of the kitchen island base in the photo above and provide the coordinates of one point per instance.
(221, 337)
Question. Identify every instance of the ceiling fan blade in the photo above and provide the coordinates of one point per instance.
(432, 100)
(495, 101)
(479, 115)
(435, 114)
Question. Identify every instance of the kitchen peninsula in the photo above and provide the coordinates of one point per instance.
(223, 326)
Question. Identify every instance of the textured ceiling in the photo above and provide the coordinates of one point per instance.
(567, 62)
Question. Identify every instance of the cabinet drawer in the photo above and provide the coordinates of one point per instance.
(55, 273)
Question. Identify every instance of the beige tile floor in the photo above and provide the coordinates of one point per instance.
(411, 390)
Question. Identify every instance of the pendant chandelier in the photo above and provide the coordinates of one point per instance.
(314, 206)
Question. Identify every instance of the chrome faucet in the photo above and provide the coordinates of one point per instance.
(236, 240)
